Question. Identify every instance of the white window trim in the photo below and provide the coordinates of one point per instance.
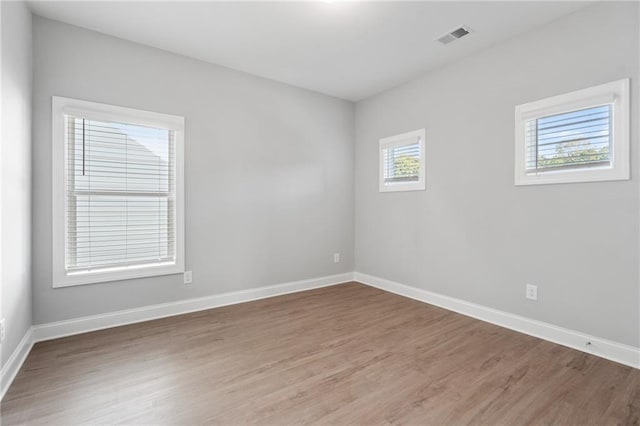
(400, 140)
(97, 111)
(615, 93)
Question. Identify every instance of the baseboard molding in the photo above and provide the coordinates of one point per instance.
(14, 363)
(618, 352)
(40, 333)
(613, 351)
(74, 326)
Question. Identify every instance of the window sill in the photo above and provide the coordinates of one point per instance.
(414, 186)
(573, 176)
(108, 275)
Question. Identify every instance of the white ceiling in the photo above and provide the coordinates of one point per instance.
(351, 50)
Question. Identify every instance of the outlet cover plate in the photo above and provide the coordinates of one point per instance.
(532, 292)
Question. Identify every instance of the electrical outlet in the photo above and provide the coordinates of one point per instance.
(336, 257)
(188, 277)
(532, 292)
(3, 330)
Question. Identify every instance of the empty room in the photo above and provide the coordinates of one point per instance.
(320, 212)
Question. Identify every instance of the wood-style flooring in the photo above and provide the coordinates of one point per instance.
(347, 354)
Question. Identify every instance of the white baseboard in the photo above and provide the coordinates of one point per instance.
(15, 361)
(54, 330)
(613, 351)
(70, 327)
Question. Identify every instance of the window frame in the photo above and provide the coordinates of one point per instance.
(99, 111)
(615, 93)
(400, 140)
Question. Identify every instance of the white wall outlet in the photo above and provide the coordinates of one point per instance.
(336, 257)
(532, 292)
(3, 330)
(188, 277)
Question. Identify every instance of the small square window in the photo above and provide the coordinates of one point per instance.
(402, 162)
(581, 136)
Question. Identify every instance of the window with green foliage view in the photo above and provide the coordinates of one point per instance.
(579, 136)
(402, 163)
(573, 139)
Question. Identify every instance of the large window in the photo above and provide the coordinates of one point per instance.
(580, 136)
(117, 194)
(402, 162)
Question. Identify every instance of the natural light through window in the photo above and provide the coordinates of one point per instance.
(122, 198)
(574, 139)
(577, 137)
(120, 194)
(402, 162)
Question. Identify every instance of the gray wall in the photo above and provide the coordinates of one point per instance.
(269, 184)
(15, 152)
(474, 235)
(269, 170)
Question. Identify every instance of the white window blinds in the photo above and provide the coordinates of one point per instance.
(120, 195)
(402, 163)
(580, 136)
(575, 139)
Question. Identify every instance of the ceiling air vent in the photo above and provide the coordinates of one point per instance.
(454, 35)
